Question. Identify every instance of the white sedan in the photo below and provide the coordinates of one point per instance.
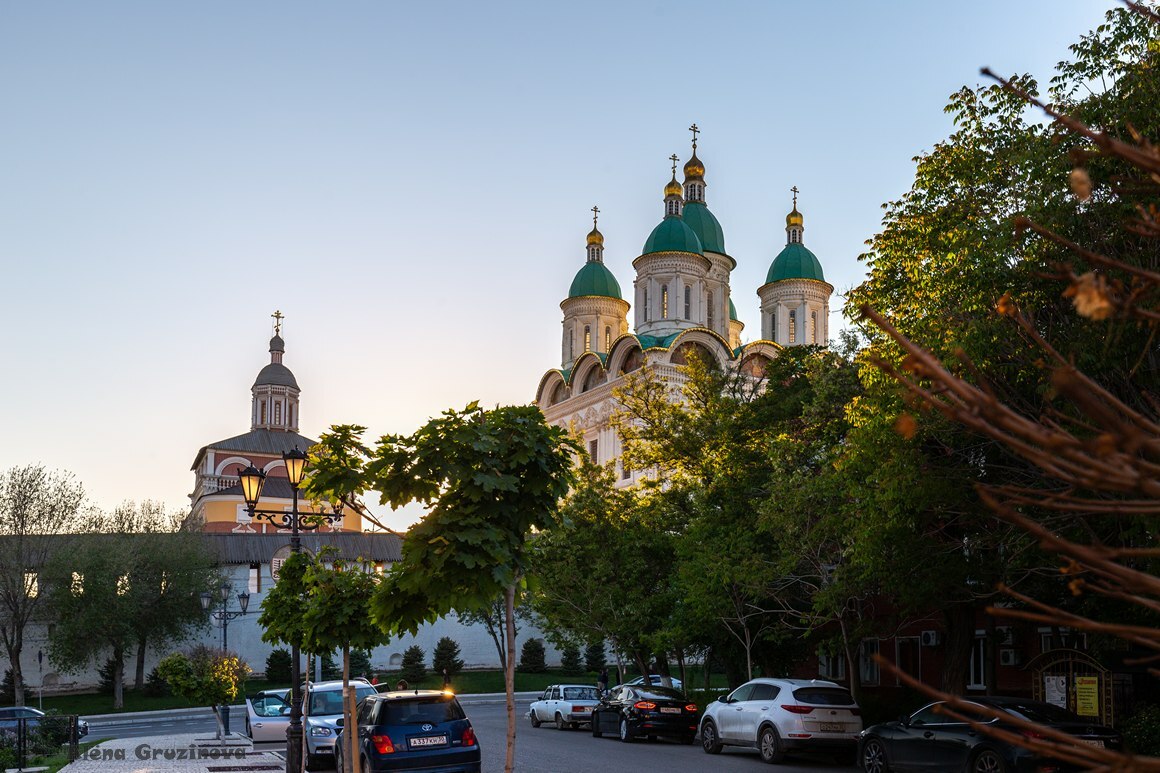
(268, 715)
(568, 705)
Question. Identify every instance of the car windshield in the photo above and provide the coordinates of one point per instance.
(418, 711)
(1040, 712)
(327, 702)
(823, 696)
(663, 693)
(579, 693)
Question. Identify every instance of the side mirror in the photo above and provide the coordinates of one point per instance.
(339, 722)
(723, 699)
(904, 720)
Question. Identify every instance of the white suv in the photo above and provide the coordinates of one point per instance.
(776, 716)
(322, 708)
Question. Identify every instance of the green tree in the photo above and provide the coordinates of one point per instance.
(37, 508)
(205, 677)
(445, 657)
(595, 658)
(493, 617)
(279, 666)
(490, 479)
(532, 657)
(570, 660)
(414, 666)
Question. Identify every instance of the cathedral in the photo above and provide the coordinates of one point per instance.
(683, 303)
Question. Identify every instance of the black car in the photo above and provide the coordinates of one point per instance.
(930, 740)
(632, 711)
(412, 730)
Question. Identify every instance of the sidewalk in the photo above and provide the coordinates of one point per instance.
(181, 753)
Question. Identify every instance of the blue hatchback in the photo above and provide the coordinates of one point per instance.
(412, 730)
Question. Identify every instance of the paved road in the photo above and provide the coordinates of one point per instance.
(544, 749)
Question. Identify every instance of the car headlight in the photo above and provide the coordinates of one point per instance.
(317, 730)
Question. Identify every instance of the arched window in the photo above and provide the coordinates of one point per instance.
(647, 316)
(278, 412)
(773, 325)
(688, 303)
(664, 301)
(813, 327)
(709, 310)
(671, 207)
(571, 344)
(607, 339)
(793, 327)
(587, 338)
(262, 413)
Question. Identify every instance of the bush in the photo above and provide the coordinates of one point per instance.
(105, 683)
(155, 686)
(279, 666)
(570, 662)
(446, 656)
(594, 657)
(8, 689)
(8, 751)
(1142, 731)
(330, 669)
(413, 669)
(532, 657)
(360, 664)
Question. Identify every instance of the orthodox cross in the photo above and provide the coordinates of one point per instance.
(595, 212)
(278, 317)
(674, 159)
(695, 131)
(795, 193)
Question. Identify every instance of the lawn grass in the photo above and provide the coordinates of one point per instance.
(95, 703)
(60, 759)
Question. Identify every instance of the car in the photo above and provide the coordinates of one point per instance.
(10, 723)
(776, 716)
(322, 709)
(568, 705)
(268, 715)
(655, 679)
(412, 730)
(632, 711)
(930, 739)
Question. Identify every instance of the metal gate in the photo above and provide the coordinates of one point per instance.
(1075, 681)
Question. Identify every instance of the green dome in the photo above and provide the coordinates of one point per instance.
(795, 262)
(698, 217)
(672, 235)
(732, 311)
(594, 279)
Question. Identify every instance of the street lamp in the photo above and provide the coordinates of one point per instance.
(252, 480)
(223, 616)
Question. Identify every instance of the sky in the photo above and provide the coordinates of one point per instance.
(410, 184)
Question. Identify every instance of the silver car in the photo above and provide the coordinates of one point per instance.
(568, 705)
(268, 715)
(322, 708)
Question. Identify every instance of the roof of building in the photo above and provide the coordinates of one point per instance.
(275, 374)
(795, 262)
(672, 235)
(703, 223)
(258, 548)
(732, 311)
(594, 278)
(259, 441)
(656, 342)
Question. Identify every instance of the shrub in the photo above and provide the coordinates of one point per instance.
(330, 669)
(413, 669)
(105, 683)
(446, 656)
(279, 666)
(570, 662)
(1142, 731)
(360, 664)
(8, 752)
(594, 657)
(8, 688)
(532, 657)
(155, 686)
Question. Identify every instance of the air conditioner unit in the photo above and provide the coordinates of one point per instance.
(931, 638)
(1008, 658)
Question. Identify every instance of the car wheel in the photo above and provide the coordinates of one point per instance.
(709, 740)
(596, 725)
(338, 766)
(625, 730)
(560, 723)
(769, 744)
(988, 761)
(312, 762)
(535, 720)
(874, 757)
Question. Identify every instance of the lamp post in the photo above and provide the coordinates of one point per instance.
(224, 616)
(252, 480)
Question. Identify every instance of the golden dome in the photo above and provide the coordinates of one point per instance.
(595, 237)
(673, 188)
(793, 219)
(694, 169)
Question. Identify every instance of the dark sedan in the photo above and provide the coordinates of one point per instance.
(634, 711)
(930, 740)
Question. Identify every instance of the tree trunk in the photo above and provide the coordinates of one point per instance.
(139, 678)
(681, 666)
(960, 636)
(642, 664)
(509, 677)
(118, 678)
(14, 653)
(707, 667)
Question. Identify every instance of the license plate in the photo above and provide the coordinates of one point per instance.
(829, 727)
(428, 740)
(1091, 742)
(667, 710)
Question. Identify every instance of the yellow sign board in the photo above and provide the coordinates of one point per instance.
(1087, 696)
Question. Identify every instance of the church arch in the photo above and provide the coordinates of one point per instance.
(714, 346)
(220, 469)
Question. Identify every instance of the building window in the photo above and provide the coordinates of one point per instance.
(646, 313)
(625, 472)
(977, 672)
(571, 344)
(688, 303)
(262, 413)
(814, 327)
(255, 585)
(907, 657)
(1061, 638)
(78, 584)
(773, 326)
(867, 666)
(664, 301)
(31, 585)
(793, 327)
(607, 339)
(709, 310)
(278, 413)
(290, 411)
(831, 666)
(587, 338)
(593, 447)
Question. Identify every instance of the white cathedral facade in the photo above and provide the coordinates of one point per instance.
(683, 302)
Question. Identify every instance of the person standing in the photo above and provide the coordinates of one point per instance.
(602, 680)
(446, 680)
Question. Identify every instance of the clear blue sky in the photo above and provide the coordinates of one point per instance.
(410, 184)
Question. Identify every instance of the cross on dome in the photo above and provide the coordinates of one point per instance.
(278, 317)
(674, 158)
(795, 193)
(695, 132)
(595, 212)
